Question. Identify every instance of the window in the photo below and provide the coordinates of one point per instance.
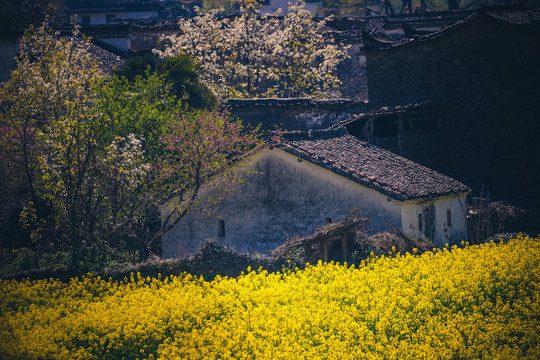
(85, 20)
(420, 223)
(448, 218)
(110, 18)
(221, 228)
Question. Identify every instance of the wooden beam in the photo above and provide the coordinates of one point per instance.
(344, 247)
(307, 249)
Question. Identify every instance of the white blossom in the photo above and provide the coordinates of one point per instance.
(254, 56)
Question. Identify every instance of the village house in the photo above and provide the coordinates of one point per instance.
(481, 75)
(107, 14)
(318, 176)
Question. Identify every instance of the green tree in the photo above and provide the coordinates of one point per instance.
(181, 72)
(89, 158)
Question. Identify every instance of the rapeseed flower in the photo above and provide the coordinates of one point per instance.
(476, 302)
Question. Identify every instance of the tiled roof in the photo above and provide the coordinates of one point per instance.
(116, 8)
(427, 18)
(514, 15)
(369, 165)
(107, 31)
(388, 110)
(289, 102)
(107, 60)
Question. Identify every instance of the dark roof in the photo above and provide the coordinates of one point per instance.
(369, 165)
(513, 15)
(390, 110)
(436, 18)
(289, 102)
(116, 8)
(107, 31)
(107, 60)
(379, 23)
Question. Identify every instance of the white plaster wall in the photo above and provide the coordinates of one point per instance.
(123, 44)
(285, 198)
(100, 18)
(284, 6)
(95, 18)
(453, 234)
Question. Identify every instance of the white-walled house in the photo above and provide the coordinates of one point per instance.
(323, 174)
(104, 15)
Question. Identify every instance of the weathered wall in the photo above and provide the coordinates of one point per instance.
(122, 44)
(286, 198)
(435, 220)
(293, 114)
(100, 18)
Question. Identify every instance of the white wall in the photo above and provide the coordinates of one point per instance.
(123, 44)
(285, 198)
(284, 5)
(453, 234)
(100, 18)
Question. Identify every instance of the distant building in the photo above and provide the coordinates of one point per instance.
(271, 6)
(322, 174)
(115, 14)
(485, 71)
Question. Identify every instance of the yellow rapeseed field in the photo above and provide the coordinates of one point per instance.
(476, 302)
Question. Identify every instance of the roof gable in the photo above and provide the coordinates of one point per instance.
(369, 165)
(512, 15)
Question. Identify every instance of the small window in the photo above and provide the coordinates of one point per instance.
(221, 228)
(420, 223)
(448, 218)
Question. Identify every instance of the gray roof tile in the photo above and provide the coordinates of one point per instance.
(369, 165)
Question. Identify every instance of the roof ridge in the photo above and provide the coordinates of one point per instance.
(367, 164)
(313, 134)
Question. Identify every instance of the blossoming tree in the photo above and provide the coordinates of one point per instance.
(88, 158)
(254, 56)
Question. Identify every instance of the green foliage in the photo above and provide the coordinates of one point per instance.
(228, 6)
(180, 72)
(90, 157)
(140, 106)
